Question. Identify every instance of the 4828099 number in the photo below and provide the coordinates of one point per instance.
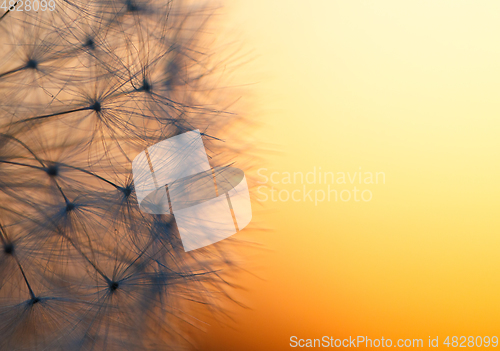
(28, 5)
(470, 341)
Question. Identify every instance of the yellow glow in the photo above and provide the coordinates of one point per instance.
(408, 88)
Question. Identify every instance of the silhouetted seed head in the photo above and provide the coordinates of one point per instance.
(146, 86)
(113, 286)
(73, 62)
(96, 106)
(31, 64)
(8, 249)
(34, 301)
(127, 190)
(90, 44)
(131, 7)
(52, 170)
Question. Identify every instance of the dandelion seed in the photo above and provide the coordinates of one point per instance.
(85, 88)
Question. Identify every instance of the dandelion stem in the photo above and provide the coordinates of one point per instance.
(64, 165)
(20, 164)
(4, 238)
(11, 71)
(52, 115)
(90, 173)
(32, 294)
(62, 192)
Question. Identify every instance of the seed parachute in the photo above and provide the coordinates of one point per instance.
(85, 86)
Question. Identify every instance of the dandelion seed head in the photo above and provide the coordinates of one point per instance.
(146, 86)
(33, 64)
(89, 43)
(70, 207)
(96, 106)
(127, 190)
(34, 301)
(52, 170)
(8, 248)
(131, 6)
(84, 89)
(113, 286)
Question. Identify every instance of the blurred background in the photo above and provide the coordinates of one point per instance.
(406, 88)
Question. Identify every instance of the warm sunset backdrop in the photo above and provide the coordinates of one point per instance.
(408, 88)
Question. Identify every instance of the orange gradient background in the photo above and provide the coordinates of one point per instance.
(408, 88)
